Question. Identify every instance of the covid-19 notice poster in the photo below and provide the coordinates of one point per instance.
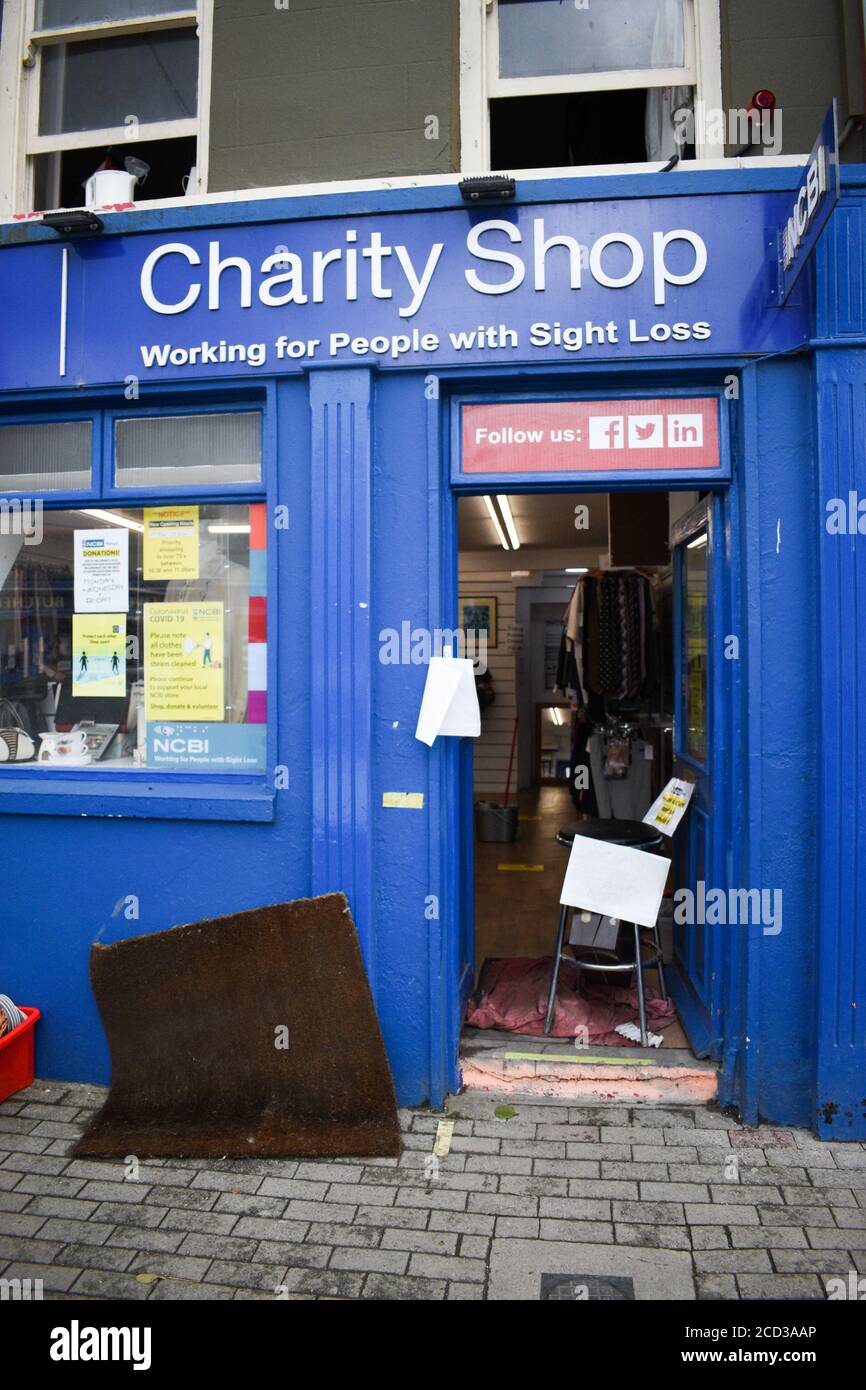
(184, 659)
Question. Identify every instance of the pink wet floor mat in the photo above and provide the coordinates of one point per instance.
(512, 995)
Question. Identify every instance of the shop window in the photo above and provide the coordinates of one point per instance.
(59, 179)
(567, 129)
(91, 86)
(60, 14)
(546, 84)
(543, 37)
(133, 638)
(188, 450)
(695, 586)
(117, 84)
(50, 457)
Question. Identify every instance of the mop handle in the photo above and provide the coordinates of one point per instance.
(510, 762)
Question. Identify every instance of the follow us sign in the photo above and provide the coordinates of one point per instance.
(591, 437)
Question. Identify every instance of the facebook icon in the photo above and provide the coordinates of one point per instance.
(607, 432)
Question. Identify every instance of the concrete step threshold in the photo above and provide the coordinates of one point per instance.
(508, 1062)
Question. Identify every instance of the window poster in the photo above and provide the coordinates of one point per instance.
(171, 542)
(98, 654)
(184, 656)
(102, 570)
(205, 747)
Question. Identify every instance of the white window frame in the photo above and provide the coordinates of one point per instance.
(480, 82)
(21, 48)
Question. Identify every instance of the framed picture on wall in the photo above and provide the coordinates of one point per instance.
(479, 615)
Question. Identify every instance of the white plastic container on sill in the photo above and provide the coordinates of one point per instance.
(109, 186)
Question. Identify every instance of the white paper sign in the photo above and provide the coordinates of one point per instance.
(615, 881)
(102, 570)
(669, 808)
(450, 703)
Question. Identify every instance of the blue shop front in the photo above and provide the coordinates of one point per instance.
(233, 439)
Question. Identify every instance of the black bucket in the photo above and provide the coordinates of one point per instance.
(495, 824)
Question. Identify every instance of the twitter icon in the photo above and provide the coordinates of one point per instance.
(645, 432)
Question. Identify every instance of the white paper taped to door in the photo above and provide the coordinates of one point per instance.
(450, 703)
(615, 881)
(669, 808)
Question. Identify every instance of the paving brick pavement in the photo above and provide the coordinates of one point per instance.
(684, 1200)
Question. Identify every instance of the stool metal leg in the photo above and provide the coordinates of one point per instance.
(554, 974)
(641, 1000)
(661, 969)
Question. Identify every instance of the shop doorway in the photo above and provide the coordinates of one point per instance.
(596, 739)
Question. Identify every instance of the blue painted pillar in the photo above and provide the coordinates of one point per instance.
(841, 380)
(841, 1095)
(341, 676)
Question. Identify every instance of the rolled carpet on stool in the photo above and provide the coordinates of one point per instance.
(251, 1035)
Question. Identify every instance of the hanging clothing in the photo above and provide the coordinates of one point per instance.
(621, 798)
(619, 657)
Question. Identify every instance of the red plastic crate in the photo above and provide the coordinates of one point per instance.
(16, 1055)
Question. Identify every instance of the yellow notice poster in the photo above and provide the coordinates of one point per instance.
(98, 654)
(184, 655)
(171, 542)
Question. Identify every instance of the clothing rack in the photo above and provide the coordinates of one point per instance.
(608, 666)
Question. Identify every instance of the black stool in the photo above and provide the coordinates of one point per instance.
(635, 835)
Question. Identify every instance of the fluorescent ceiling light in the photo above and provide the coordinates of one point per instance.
(697, 543)
(580, 570)
(557, 715)
(494, 517)
(113, 518)
(520, 574)
(510, 527)
(228, 528)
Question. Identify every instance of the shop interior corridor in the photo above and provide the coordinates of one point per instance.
(544, 724)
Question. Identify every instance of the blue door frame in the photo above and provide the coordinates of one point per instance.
(700, 847)
(704, 1019)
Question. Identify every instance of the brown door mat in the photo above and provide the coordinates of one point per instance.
(253, 1035)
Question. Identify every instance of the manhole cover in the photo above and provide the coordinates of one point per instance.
(585, 1288)
(762, 1139)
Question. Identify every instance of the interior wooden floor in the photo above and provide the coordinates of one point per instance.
(517, 906)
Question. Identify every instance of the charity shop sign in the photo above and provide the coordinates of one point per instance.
(650, 278)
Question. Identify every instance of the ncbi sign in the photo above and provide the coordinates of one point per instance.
(816, 198)
(206, 747)
(591, 437)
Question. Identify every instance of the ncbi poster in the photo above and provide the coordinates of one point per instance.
(102, 570)
(171, 542)
(224, 747)
(99, 654)
(184, 655)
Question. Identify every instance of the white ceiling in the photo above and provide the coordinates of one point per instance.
(542, 520)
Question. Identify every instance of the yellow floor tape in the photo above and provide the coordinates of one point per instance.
(576, 1056)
